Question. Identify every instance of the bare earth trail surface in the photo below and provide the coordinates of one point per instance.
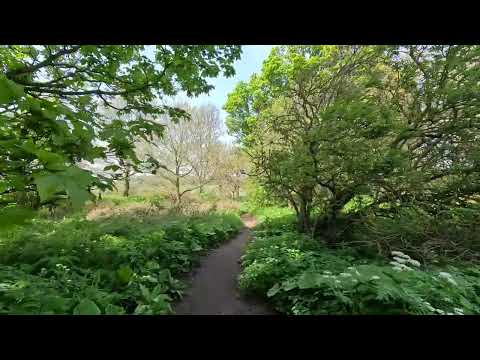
(214, 289)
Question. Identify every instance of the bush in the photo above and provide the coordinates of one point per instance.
(120, 265)
(300, 275)
(450, 234)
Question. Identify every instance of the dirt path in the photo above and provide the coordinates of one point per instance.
(213, 288)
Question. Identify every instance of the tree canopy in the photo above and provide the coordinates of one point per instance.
(325, 124)
(49, 97)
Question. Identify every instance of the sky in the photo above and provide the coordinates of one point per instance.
(250, 62)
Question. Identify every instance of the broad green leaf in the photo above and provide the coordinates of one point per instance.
(143, 310)
(289, 285)
(73, 181)
(274, 290)
(145, 292)
(51, 160)
(124, 274)
(14, 215)
(4, 185)
(309, 280)
(153, 265)
(196, 246)
(48, 185)
(86, 307)
(111, 309)
(77, 193)
(9, 91)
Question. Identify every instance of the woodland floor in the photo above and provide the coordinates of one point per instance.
(213, 289)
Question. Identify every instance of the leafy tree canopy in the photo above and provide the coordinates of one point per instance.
(49, 96)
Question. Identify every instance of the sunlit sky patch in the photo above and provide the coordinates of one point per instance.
(249, 63)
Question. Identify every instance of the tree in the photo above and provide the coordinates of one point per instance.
(203, 132)
(187, 154)
(231, 170)
(306, 120)
(326, 124)
(49, 96)
(434, 90)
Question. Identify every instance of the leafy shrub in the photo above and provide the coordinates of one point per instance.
(452, 233)
(299, 275)
(118, 265)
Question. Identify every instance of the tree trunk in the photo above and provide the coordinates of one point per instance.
(177, 190)
(335, 207)
(303, 216)
(126, 191)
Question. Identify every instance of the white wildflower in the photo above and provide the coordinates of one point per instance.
(458, 311)
(400, 260)
(448, 277)
(400, 254)
(414, 262)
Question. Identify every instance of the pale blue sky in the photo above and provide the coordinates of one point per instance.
(249, 63)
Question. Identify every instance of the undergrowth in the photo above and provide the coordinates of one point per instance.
(116, 265)
(300, 275)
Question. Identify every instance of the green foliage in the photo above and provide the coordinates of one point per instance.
(326, 126)
(14, 215)
(120, 265)
(123, 200)
(441, 237)
(300, 276)
(50, 96)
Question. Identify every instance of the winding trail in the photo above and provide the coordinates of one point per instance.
(213, 288)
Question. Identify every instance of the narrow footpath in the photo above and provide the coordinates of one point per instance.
(213, 289)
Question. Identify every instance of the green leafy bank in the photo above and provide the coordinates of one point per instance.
(301, 276)
(120, 265)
